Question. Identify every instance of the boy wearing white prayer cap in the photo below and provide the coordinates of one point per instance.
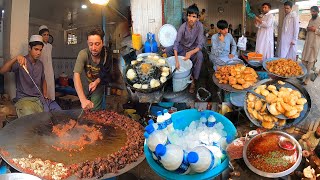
(28, 99)
(46, 59)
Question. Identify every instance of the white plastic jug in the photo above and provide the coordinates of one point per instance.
(203, 118)
(155, 138)
(201, 159)
(167, 118)
(211, 120)
(155, 125)
(173, 158)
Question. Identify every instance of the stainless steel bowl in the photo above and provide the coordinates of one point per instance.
(267, 174)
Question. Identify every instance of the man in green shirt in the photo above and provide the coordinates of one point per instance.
(90, 60)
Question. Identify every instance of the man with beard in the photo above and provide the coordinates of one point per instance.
(264, 23)
(189, 42)
(90, 60)
(312, 43)
(289, 33)
(310, 140)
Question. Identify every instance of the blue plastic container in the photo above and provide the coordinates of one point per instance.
(151, 45)
(182, 119)
(154, 48)
(147, 47)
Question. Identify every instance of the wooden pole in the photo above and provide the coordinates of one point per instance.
(243, 30)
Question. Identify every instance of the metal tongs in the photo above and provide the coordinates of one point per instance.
(25, 68)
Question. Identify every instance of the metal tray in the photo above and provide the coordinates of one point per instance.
(304, 69)
(267, 174)
(238, 98)
(288, 84)
(229, 88)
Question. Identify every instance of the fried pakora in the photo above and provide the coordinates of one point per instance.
(238, 76)
(285, 67)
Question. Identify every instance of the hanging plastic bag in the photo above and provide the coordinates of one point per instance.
(242, 43)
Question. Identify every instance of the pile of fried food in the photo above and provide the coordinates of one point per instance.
(46, 169)
(284, 67)
(284, 101)
(238, 76)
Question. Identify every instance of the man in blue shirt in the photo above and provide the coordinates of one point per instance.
(223, 45)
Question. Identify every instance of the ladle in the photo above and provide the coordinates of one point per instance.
(280, 116)
(44, 99)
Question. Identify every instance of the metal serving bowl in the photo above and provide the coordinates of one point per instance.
(304, 69)
(267, 174)
(289, 83)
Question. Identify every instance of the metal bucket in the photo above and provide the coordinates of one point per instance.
(185, 67)
(181, 84)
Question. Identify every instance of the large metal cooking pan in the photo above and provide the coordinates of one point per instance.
(289, 83)
(149, 90)
(304, 69)
(267, 174)
(32, 135)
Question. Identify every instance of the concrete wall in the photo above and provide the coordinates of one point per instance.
(232, 10)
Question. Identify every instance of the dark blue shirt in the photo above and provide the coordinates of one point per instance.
(24, 84)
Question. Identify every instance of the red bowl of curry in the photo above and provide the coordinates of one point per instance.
(264, 156)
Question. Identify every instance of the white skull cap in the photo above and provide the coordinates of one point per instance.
(34, 38)
(43, 27)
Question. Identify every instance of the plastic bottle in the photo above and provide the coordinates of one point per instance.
(203, 118)
(217, 150)
(168, 120)
(155, 137)
(201, 159)
(146, 135)
(211, 120)
(147, 44)
(136, 41)
(154, 44)
(155, 125)
(162, 125)
(173, 158)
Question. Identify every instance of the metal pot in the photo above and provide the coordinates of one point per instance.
(63, 79)
(267, 174)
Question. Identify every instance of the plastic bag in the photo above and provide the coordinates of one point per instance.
(235, 149)
(242, 43)
(250, 14)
